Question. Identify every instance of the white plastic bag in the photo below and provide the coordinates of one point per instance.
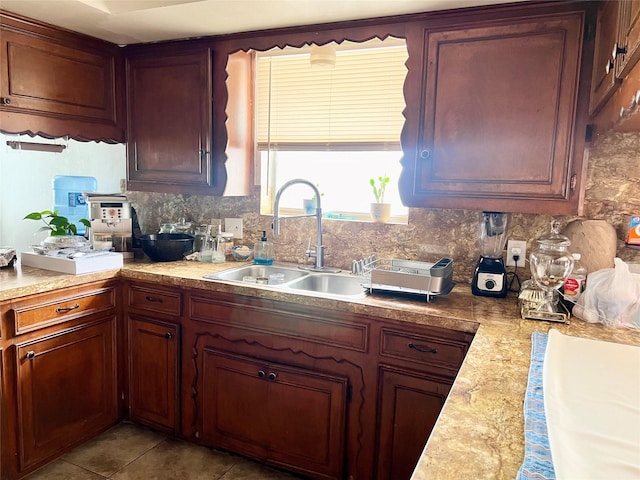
(612, 297)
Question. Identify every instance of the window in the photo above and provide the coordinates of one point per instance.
(335, 126)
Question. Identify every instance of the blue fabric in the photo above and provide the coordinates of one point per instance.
(537, 464)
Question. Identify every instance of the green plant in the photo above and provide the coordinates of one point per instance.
(57, 224)
(378, 191)
(321, 193)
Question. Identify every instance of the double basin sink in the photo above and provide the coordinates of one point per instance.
(294, 280)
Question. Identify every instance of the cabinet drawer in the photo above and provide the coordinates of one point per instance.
(155, 300)
(430, 350)
(56, 309)
(272, 318)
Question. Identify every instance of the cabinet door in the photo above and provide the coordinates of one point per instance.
(58, 84)
(169, 128)
(629, 35)
(66, 389)
(286, 416)
(498, 116)
(604, 80)
(153, 372)
(409, 405)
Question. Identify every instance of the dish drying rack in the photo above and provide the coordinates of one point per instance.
(406, 276)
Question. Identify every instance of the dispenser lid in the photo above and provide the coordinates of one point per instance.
(554, 240)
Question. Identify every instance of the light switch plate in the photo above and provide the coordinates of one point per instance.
(233, 225)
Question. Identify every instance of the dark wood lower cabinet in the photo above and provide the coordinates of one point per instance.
(409, 405)
(325, 393)
(66, 389)
(153, 372)
(291, 417)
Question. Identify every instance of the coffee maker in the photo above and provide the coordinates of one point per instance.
(490, 276)
(111, 223)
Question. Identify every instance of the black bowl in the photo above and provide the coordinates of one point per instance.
(166, 247)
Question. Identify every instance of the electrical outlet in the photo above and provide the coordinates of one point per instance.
(519, 248)
(233, 225)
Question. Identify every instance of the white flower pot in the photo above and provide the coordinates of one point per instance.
(309, 205)
(380, 212)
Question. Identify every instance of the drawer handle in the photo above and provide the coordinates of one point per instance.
(422, 349)
(67, 309)
(261, 373)
(30, 354)
(168, 335)
(149, 298)
(273, 376)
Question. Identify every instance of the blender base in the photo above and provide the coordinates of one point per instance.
(490, 278)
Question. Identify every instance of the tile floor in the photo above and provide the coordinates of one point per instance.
(132, 452)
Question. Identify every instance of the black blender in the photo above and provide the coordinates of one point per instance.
(490, 276)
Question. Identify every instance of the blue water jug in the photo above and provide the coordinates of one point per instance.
(69, 199)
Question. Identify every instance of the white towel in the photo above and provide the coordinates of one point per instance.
(592, 405)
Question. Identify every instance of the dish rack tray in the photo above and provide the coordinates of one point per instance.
(409, 277)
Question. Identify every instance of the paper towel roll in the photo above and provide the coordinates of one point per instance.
(595, 240)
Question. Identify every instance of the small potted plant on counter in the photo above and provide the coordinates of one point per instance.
(62, 233)
(380, 211)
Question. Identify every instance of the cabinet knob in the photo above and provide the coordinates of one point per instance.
(30, 354)
(272, 376)
(261, 373)
(418, 348)
(168, 335)
(425, 154)
(67, 309)
(609, 66)
(149, 298)
(618, 50)
(5, 101)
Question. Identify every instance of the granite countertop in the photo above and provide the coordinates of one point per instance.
(479, 433)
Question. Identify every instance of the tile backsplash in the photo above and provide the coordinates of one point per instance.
(612, 194)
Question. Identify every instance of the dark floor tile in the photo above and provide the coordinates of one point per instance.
(61, 470)
(115, 448)
(178, 460)
(247, 470)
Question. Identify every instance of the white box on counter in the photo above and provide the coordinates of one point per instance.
(75, 266)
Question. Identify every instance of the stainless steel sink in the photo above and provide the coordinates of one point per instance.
(293, 279)
(275, 274)
(331, 284)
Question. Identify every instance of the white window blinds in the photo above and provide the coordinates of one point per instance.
(358, 102)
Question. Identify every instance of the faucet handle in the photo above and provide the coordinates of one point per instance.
(310, 253)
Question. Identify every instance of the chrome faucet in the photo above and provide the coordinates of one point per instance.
(318, 253)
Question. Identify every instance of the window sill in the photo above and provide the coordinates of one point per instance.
(342, 216)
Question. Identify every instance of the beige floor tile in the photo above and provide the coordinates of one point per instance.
(61, 470)
(178, 460)
(114, 449)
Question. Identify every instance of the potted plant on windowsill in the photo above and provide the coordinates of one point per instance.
(380, 211)
(309, 205)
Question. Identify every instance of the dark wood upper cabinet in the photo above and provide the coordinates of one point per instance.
(55, 83)
(499, 125)
(605, 80)
(169, 130)
(629, 42)
(615, 101)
